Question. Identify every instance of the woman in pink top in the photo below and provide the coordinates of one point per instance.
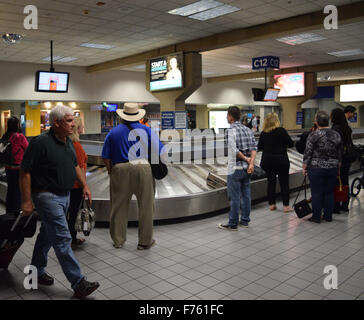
(18, 145)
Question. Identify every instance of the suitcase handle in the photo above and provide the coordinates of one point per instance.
(15, 224)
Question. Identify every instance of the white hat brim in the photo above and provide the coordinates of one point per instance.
(128, 117)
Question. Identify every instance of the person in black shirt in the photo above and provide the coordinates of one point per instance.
(48, 172)
(340, 124)
(274, 141)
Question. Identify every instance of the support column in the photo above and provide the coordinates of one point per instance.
(174, 100)
(290, 106)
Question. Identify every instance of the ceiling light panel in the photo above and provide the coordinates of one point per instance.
(55, 58)
(301, 38)
(67, 59)
(213, 13)
(195, 7)
(346, 53)
(96, 46)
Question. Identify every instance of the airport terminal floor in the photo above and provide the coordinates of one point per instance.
(278, 257)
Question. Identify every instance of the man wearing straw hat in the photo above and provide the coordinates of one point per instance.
(126, 160)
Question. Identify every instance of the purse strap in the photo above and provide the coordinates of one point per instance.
(304, 184)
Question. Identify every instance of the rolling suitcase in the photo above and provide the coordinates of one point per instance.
(12, 233)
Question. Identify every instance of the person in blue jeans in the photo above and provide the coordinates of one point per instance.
(321, 162)
(48, 172)
(242, 150)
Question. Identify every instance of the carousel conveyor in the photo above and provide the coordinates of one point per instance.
(184, 192)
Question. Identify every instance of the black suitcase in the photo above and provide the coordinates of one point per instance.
(13, 230)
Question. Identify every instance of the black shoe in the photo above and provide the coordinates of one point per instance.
(345, 209)
(244, 224)
(85, 288)
(146, 246)
(228, 227)
(327, 219)
(45, 280)
(314, 220)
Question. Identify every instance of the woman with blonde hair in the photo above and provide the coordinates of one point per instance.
(76, 192)
(274, 141)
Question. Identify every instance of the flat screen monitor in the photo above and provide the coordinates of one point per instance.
(166, 72)
(352, 92)
(271, 94)
(111, 107)
(46, 81)
(290, 84)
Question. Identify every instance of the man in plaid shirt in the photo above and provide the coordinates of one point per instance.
(242, 150)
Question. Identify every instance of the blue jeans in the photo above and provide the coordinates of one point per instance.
(323, 183)
(238, 185)
(54, 233)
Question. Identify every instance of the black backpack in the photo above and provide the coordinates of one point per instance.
(6, 154)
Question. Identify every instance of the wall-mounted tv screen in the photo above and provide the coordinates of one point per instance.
(352, 92)
(46, 81)
(271, 94)
(166, 72)
(290, 84)
(111, 107)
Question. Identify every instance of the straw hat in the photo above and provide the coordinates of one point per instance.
(131, 112)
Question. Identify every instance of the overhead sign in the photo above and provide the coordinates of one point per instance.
(354, 119)
(180, 120)
(268, 62)
(167, 120)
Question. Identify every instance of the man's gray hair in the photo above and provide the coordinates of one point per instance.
(59, 112)
(322, 118)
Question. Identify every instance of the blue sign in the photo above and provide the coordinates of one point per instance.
(299, 117)
(354, 119)
(268, 62)
(167, 120)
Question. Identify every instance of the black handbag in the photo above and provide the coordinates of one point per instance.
(159, 170)
(302, 208)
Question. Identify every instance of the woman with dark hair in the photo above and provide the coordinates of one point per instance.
(18, 145)
(321, 162)
(340, 124)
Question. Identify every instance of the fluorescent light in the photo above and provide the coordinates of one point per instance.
(96, 46)
(213, 13)
(55, 58)
(141, 66)
(244, 66)
(195, 7)
(345, 53)
(67, 59)
(301, 38)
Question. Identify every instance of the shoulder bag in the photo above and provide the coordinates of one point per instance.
(302, 208)
(159, 170)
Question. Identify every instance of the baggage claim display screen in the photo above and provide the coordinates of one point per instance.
(52, 81)
(166, 72)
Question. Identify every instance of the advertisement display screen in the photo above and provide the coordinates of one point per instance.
(271, 94)
(166, 72)
(352, 92)
(217, 120)
(290, 84)
(51, 81)
(111, 107)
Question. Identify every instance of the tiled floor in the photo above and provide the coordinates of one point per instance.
(277, 257)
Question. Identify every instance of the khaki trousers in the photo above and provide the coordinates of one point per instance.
(127, 179)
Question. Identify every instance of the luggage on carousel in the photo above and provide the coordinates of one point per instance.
(13, 230)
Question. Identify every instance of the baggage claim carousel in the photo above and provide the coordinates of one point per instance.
(190, 190)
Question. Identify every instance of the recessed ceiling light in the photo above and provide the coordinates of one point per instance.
(125, 10)
(55, 58)
(244, 66)
(345, 53)
(96, 46)
(67, 59)
(215, 12)
(12, 38)
(301, 38)
(195, 7)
